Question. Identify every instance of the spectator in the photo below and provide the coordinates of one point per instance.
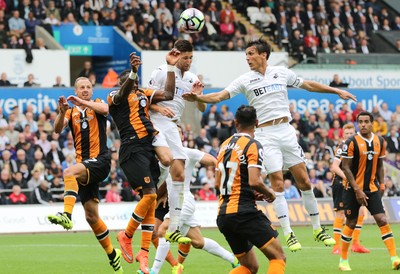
(206, 193)
(214, 147)
(20, 180)
(337, 82)
(112, 195)
(40, 44)
(393, 140)
(55, 154)
(336, 128)
(17, 197)
(227, 29)
(31, 82)
(16, 24)
(385, 112)
(5, 179)
(227, 123)
(87, 69)
(290, 190)
(6, 160)
(52, 10)
(58, 82)
(4, 82)
(35, 179)
(379, 126)
(211, 122)
(42, 194)
(57, 190)
(3, 36)
(390, 188)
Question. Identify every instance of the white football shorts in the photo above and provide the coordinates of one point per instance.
(281, 149)
(168, 136)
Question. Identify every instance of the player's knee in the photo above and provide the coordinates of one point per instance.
(381, 220)
(91, 218)
(197, 243)
(165, 160)
(178, 176)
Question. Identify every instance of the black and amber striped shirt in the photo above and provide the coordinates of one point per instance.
(365, 154)
(237, 154)
(338, 157)
(88, 129)
(132, 116)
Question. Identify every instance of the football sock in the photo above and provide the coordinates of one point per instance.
(170, 258)
(388, 239)
(70, 194)
(164, 171)
(241, 269)
(148, 226)
(337, 230)
(175, 200)
(161, 253)
(357, 230)
(346, 240)
(102, 234)
(183, 251)
(214, 248)
(282, 212)
(276, 267)
(310, 204)
(139, 213)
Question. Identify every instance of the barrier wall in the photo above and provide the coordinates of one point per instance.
(302, 100)
(32, 218)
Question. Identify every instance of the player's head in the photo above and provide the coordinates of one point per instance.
(186, 49)
(348, 130)
(364, 120)
(83, 88)
(260, 47)
(245, 118)
(124, 75)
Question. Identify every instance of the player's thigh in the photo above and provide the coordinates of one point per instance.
(273, 160)
(97, 169)
(228, 226)
(337, 195)
(292, 152)
(351, 206)
(189, 205)
(138, 169)
(174, 142)
(375, 205)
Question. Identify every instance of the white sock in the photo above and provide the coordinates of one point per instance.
(164, 171)
(214, 248)
(161, 253)
(310, 204)
(175, 200)
(282, 212)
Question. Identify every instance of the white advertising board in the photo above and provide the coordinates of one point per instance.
(46, 66)
(356, 78)
(219, 69)
(33, 218)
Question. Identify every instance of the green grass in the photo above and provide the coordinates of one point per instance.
(80, 253)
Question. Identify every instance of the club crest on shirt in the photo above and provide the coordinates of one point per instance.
(143, 103)
(344, 147)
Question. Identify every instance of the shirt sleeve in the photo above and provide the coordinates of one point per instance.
(149, 93)
(157, 79)
(293, 80)
(110, 97)
(255, 155)
(338, 153)
(348, 149)
(236, 87)
(67, 115)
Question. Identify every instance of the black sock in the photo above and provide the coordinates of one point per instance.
(112, 255)
(69, 215)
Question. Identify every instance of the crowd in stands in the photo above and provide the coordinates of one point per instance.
(33, 157)
(307, 27)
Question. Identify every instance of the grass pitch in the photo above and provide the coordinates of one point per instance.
(80, 252)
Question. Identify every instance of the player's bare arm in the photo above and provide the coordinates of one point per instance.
(168, 94)
(336, 168)
(60, 121)
(347, 163)
(98, 107)
(165, 111)
(380, 175)
(256, 183)
(128, 85)
(314, 86)
(208, 160)
(210, 98)
(198, 89)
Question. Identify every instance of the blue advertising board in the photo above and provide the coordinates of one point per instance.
(86, 40)
(303, 100)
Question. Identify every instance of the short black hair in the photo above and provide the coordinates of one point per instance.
(261, 45)
(366, 113)
(246, 116)
(183, 46)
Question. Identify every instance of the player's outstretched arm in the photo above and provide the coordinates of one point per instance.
(98, 107)
(210, 98)
(314, 86)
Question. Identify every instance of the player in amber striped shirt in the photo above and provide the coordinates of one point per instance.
(239, 183)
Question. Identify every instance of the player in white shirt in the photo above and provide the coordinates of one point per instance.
(265, 88)
(164, 120)
(188, 224)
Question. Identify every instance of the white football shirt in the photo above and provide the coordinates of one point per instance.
(182, 85)
(266, 93)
